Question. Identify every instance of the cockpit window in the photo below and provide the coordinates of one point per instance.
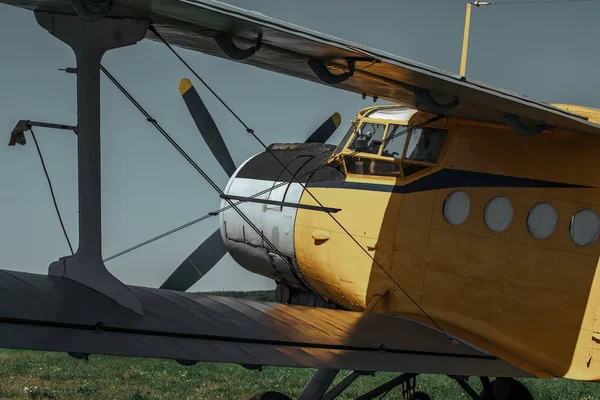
(395, 141)
(368, 138)
(425, 145)
(365, 166)
(346, 137)
(390, 149)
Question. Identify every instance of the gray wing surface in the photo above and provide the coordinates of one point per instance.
(47, 313)
(286, 48)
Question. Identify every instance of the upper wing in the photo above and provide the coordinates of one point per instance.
(54, 314)
(287, 48)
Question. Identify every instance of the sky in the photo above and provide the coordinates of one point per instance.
(546, 51)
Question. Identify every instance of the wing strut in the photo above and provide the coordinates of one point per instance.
(89, 41)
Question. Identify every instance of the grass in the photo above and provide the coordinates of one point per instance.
(40, 375)
(44, 375)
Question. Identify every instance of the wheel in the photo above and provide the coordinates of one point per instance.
(270, 396)
(507, 389)
(420, 396)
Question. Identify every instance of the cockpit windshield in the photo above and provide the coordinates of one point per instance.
(347, 136)
(368, 138)
(391, 148)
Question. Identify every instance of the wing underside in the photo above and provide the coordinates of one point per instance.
(47, 313)
(287, 48)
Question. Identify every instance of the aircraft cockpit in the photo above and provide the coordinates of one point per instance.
(381, 142)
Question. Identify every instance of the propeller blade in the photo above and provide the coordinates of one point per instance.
(324, 132)
(206, 125)
(206, 256)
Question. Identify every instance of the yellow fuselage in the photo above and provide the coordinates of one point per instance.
(532, 302)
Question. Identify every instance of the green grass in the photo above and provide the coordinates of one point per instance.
(40, 375)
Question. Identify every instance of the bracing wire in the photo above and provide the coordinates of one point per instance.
(217, 212)
(357, 242)
(62, 224)
(188, 224)
(540, 1)
(194, 165)
(155, 238)
(251, 131)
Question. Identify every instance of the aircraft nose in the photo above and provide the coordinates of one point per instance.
(262, 240)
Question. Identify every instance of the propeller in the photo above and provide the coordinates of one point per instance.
(324, 132)
(208, 254)
(206, 125)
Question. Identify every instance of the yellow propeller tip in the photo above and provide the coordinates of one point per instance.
(184, 85)
(337, 119)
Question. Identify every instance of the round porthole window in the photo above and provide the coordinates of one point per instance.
(498, 214)
(456, 208)
(585, 227)
(542, 221)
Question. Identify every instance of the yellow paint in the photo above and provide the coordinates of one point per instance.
(465, 48)
(184, 85)
(337, 119)
(591, 114)
(534, 303)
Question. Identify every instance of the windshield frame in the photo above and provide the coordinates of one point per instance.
(345, 152)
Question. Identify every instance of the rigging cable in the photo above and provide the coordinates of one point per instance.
(193, 222)
(220, 210)
(62, 225)
(188, 224)
(251, 131)
(355, 240)
(198, 169)
(538, 1)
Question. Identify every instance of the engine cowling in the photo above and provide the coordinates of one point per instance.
(263, 174)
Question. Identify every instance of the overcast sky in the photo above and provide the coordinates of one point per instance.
(547, 51)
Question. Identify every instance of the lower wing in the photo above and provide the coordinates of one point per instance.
(41, 312)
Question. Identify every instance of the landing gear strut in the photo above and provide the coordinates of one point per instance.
(318, 388)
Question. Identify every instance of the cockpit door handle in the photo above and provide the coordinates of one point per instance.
(372, 245)
(320, 236)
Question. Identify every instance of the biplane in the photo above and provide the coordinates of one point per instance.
(453, 232)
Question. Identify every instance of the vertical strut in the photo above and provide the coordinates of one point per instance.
(340, 387)
(386, 387)
(89, 41)
(319, 384)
